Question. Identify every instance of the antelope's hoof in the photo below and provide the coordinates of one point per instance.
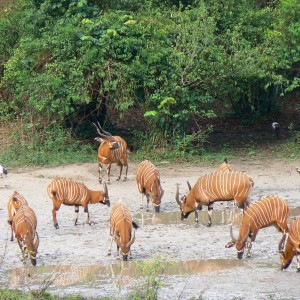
(108, 253)
(196, 224)
(298, 269)
(56, 226)
(209, 224)
(125, 178)
(141, 206)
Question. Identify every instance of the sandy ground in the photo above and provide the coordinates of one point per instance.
(197, 262)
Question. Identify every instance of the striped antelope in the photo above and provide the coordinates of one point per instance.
(13, 204)
(213, 187)
(267, 211)
(68, 192)
(24, 225)
(121, 224)
(289, 245)
(148, 182)
(112, 149)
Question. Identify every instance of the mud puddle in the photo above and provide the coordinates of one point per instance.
(223, 216)
(98, 275)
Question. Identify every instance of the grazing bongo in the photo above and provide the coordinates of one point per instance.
(148, 182)
(13, 204)
(24, 225)
(213, 187)
(289, 245)
(68, 192)
(112, 149)
(121, 224)
(267, 211)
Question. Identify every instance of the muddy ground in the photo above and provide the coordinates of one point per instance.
(196, 262)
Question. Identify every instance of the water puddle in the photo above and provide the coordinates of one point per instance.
(99, 275)
(222, 216)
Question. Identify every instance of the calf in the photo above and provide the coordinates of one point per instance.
(217, 186)
(121, 224)
(289, 245)
(267, 211)
(13, 204)
(68, 192)
(148, 182)
(24, 225)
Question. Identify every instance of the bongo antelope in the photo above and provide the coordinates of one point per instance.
(13, 204)
(24, 226)
(121, 229)
(68, 192)
(112, 149)
(148, 182)
(267, 211)
(289, 245)
(213, 187)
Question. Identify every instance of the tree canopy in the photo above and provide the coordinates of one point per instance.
(66, 62)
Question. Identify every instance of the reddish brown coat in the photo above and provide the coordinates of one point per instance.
(149, 184)
(68, 192)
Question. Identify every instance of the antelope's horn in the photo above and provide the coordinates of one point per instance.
(231, 234)
(243, 240)
(189, 186)
(132, 240)
(101, 129)
(281, 243)
(37, 241)
(177, 195)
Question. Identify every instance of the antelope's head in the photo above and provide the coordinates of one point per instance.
(124, 245)
(225, 166)
(187, 202)
(31, 246)
(156, 193)
(240, 242)
(286, 252)
(106, 137)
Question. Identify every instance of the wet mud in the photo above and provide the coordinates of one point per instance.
(194, 260)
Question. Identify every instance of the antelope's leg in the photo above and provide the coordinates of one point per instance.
(210, 209)
(100, 171)
(86, 210)
(108, 172)
(148, 200)
(142, 196)
(76, 214)
(11, 230)
(196, 217)
(56, 206)
(109, 248)
(121, 168)
(298, 260)
(125, 164)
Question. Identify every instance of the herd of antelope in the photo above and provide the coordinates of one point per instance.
(224, 184)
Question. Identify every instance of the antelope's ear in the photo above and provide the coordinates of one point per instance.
(230, 244)
(183, 199)
(98, 139)
(15, 199)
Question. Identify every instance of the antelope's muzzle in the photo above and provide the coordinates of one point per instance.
(157, 208)
(240, 254)
(125, 257)
(33, 261)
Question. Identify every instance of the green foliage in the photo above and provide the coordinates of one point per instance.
(152, 272)
(50, 146)
(181, 63)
